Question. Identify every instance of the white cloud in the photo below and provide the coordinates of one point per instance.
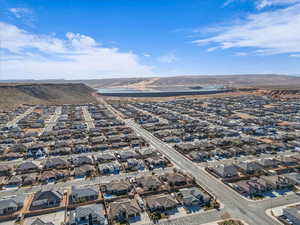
(266, 3)
(80, 41)
(228, 2)
(27, 55)
(25, 15)
(260, 4)
(295, 55)
(169, 58)
(16, 40)
(20, 12)
(271, 32)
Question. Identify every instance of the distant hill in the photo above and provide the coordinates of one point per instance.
(256, 81)
(13, 95)
(231, 80)
(247, 80)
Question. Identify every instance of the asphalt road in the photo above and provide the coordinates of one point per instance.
(52, 121)
(87, 117)
(19, 117)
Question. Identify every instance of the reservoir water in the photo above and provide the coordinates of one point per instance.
(158, 90)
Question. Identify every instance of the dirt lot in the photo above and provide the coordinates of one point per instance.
(160, 99)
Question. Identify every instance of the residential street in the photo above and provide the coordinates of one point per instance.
(52, 120)
(19, 117)
(87, 117)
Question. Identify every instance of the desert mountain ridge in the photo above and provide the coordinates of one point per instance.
(250, 80)
(15, 94)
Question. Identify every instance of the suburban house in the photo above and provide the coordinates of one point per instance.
(225, 171)
(114, 139)
(294, 178)
(288, 161)
(186, 147)
(98, 140)
(147, 152)
(11, 205)
(82, 159)
(29, 178)
(84, 194)
(199, 156)
(88, 215)
(46, 199)
(268, 162)
(124, 155)
(60, 151)
(36, 150)
(11, 156)
(248, 167)
(18, 148)
(15, 181)
(171, 139)
(160, 203)
(5, 170)
(252, 187)
(81, 148)
(134, 164)
(100, 147)
(149, 183)
(27, 167)
(277, 181)
(156, 162)
(293, 214)
(38, 221)
(110, 168)
(174, 179)
(193, 196)
(55, 163)
(84, 170)
(124, 209)
(117, 187)
(53, 175)
(105, 157)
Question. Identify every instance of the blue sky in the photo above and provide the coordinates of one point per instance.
(85, 39)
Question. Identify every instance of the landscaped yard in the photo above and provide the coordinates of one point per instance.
(230, 222)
